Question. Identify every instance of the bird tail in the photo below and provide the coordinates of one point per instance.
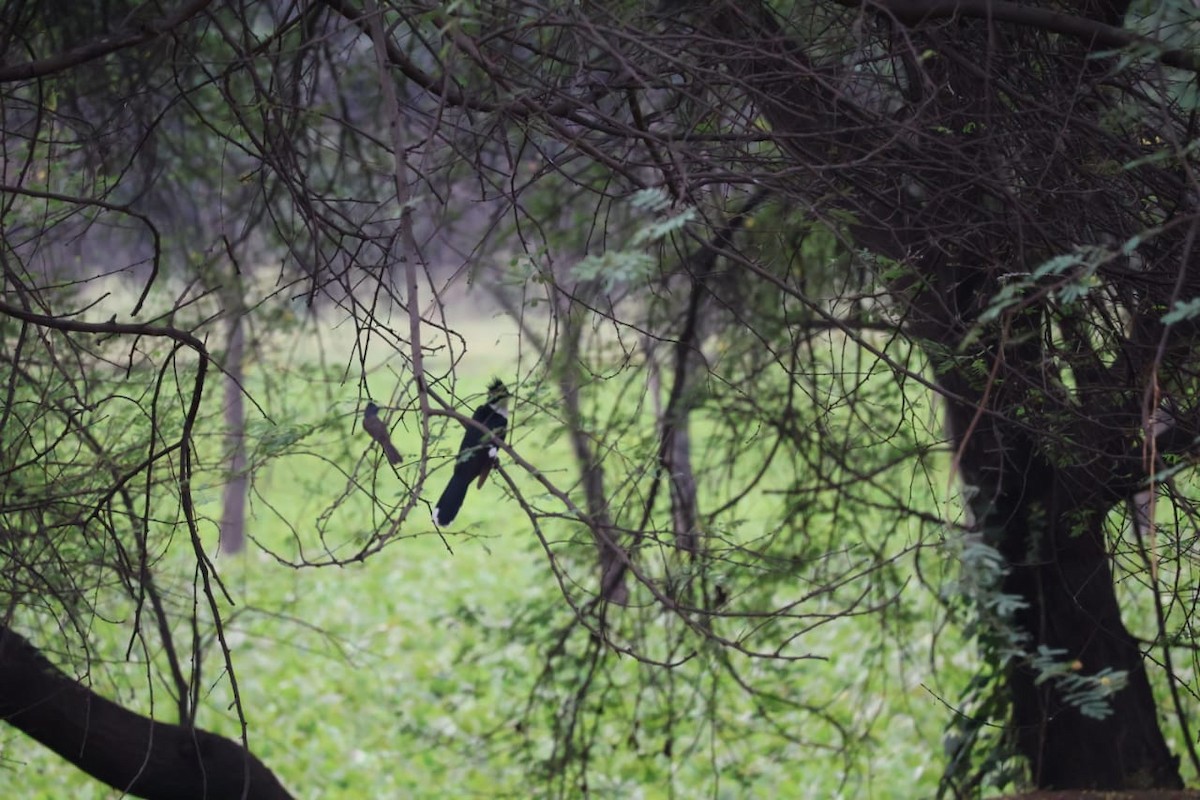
(452, 499)
(393, 455)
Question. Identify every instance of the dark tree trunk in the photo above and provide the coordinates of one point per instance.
(132, 753)
(1072, 607)
(1044, 516)
(1049, 528)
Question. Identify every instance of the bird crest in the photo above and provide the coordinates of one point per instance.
(497, 391)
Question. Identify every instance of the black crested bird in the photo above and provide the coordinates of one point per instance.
(476, 455)
(377, 430)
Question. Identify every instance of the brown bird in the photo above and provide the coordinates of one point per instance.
(377, 430)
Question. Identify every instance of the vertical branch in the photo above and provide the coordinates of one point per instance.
(410, 253)
(233, 504)
(685, 508)
(676, 461)
(675, 453)
(675, 456)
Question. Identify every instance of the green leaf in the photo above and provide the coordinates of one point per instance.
(1183, 310)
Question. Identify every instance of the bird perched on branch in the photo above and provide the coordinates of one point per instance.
(476, 455)
(377, 430)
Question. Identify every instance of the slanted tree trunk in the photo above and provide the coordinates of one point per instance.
(613, 586)
(132, 753)
(685, 507)
(707, 299)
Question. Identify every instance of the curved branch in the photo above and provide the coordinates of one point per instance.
(100, 203)
(135, 754)
(125, 328)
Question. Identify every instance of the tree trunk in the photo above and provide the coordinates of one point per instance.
(1064, 576)
(132, 753)
(233, 506)
(613, 586)
(1045, 518)
(1050, 531)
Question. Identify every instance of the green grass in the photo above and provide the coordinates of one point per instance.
(419, 673)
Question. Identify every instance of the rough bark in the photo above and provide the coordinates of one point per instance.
(132, 753)
(685, 508)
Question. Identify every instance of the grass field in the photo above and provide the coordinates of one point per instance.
(423, 671)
